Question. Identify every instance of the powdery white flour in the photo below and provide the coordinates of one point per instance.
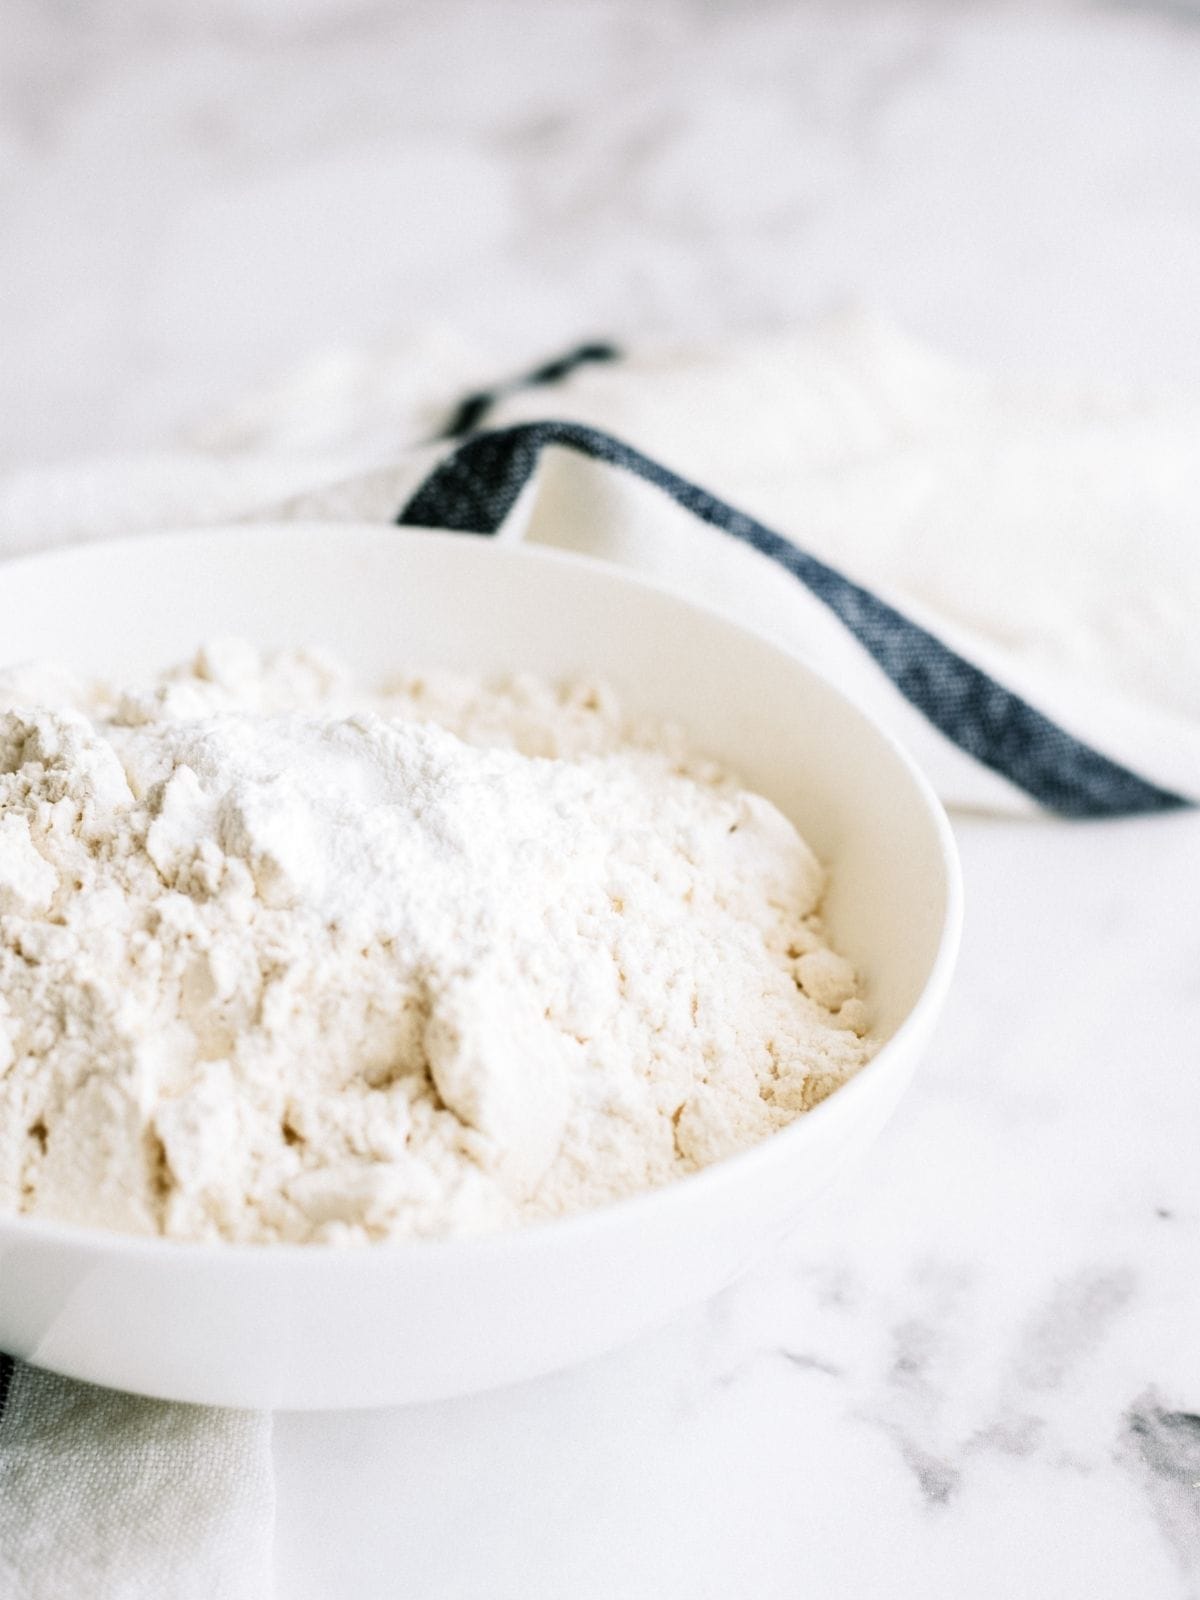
(283, 959)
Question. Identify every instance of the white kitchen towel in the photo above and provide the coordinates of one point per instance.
(110, 1497)
(1007, 575)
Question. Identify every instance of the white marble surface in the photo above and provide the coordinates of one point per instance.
(196, 196)
(977, 1372)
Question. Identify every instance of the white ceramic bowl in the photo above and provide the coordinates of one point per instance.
(307, 1327)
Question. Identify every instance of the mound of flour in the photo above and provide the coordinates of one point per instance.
(282, 959)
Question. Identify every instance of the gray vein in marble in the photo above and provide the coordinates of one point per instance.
(1163, 1445)
(925, 1373)
(1069, 1327)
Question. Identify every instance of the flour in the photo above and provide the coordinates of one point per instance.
(282, 959)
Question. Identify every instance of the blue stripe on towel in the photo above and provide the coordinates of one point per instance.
(472, 409)
(476, 486)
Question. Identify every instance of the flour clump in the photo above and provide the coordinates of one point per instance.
(282, 958)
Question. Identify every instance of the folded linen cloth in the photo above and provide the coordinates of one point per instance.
(1007, 575)
(1009, 578)
(107, 1495)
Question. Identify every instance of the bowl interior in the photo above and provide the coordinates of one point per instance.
(385, 598)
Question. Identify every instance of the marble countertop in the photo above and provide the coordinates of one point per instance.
(977, 1369)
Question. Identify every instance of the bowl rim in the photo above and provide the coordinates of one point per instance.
(711, 1179)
